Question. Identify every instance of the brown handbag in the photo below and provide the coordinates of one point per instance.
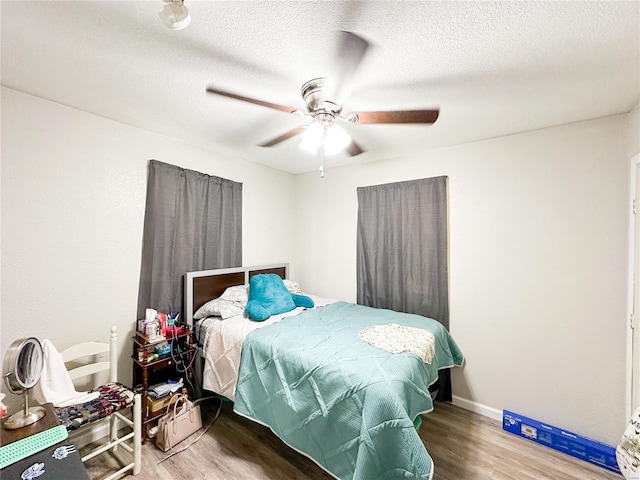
(177, 425)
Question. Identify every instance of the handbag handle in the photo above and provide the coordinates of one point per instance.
(190, 409)
(176, 399)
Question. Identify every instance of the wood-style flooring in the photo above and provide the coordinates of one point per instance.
(463, 445)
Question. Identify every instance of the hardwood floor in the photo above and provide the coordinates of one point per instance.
(463, 445)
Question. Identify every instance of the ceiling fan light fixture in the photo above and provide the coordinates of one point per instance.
(312, 137)
(174, 14)
(333, 138)
(336, 140)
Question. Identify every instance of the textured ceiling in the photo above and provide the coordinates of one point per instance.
(493, 68)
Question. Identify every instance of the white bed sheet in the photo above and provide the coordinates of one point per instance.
(222, 346)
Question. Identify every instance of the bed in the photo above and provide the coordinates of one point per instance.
(320, 379)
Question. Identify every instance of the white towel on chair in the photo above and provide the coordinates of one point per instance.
(55, 385)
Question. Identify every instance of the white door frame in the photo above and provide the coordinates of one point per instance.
(633, 391)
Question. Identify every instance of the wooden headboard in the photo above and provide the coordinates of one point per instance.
(205, 285)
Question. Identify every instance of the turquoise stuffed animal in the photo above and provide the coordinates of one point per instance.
(268, 296)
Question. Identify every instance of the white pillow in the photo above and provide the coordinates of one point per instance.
(292, 286)
(218, 307)
(239, 293)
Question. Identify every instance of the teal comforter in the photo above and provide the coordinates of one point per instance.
(344, 403)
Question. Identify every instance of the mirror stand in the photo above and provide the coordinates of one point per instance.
(22, 368)
(26, 416)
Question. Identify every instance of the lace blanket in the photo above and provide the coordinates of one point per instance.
(396, 338)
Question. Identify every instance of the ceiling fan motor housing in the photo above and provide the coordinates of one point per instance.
(314, 96)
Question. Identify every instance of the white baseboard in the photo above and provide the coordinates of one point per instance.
(477, 408)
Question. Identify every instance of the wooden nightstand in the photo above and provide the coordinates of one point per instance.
(148, 370)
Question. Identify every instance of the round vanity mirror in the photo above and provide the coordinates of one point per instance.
(22, 369)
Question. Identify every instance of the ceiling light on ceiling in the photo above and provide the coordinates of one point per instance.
(324, 137)
(174, 14)
(326, 134)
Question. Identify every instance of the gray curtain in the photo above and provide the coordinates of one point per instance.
(192, 221)
(402, 251)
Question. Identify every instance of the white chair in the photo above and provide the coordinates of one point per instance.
(112, 400)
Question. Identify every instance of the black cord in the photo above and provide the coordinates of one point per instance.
(179, 360)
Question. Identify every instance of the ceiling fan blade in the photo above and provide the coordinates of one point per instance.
(351, 51)
(353, 149)
(275, 106)
(398, 116)
(283, 137)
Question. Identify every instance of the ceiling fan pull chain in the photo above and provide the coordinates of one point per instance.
(321, 155)
(325, 130)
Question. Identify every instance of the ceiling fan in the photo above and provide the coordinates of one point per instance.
(323, 98)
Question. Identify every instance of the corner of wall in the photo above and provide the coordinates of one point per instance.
(634, 131)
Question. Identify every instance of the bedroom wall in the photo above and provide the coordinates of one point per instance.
(538, 265)
(538, 241)
(73, 198)
(634, 131)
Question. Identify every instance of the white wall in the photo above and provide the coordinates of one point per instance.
(538, 245)
(73, 198)
(634, 131)
(538, 265)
